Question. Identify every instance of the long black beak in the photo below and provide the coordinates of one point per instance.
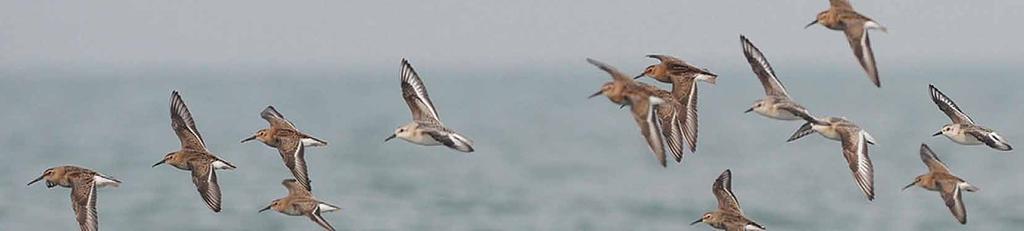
(595, 94)
(811, 24)
(37, 179)
(159, 163)
(910, 185)
(389, 137)
(697, 221)
(248, 139)
(937, 133)
(638, 76)
(748, 110)
(265, 208)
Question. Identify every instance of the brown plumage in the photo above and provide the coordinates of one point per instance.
(656, 112)
(83, 183)
(289, 141)
(193, 155)
(683, 76)
(729, 216)
(841, 16)
(855, 143)
(940, 179)
(300, 202)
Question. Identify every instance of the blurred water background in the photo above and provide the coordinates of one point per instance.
(547, 158)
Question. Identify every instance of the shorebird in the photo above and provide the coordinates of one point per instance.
(300, 202)
(941, 180)
(83, 183)
(683, 77)
(963, 130)
(426, 127)
(289, 141)
(652, 109)
(855, 146)
(776, 104)
(841, 16)
(729, 216)
(193, 155)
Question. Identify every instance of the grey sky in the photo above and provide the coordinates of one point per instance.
(489, 34)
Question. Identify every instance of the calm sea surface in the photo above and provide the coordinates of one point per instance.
(547, 158)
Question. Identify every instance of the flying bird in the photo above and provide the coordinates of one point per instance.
(841, 16)
(426, 127)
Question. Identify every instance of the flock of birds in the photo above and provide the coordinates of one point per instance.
(665, 118)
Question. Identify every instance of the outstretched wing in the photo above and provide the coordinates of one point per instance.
(83, 201)
(645, 116)
(415, 94)
(723, 192)
(855, 149)
(931, 160)
(616, 75)
(763, 70)
(293, 154)
(276, 119)
(205, 179)
(857, 36)
(951, 195)
(947, 106)
(184, 126)
(319, 219)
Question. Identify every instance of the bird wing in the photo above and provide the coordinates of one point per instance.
(319, 219)
(293, 154)
(83, 201)
(276, 119)
(723, 192)
(205, 179)
(932, 161)
(857, 36)
(951, 195)
(855, 149)
(616, 75)
(415, 95)
(644, 114)
(759, 64)
(184, 126)
(946, 105)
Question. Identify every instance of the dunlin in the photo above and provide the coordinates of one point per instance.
(941, 180)
(83, 183)
(855, 147)
(289, 141)
(426, 128)
(776, 104)
(683, 77)
(652, 108)
(963, 130)
(729, 216)
(193, 155)
(841, 16)
(300, 202)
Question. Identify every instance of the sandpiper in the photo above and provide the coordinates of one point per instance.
(193, 155)
(289, 141)
(963, 130)
(83, 183)
(426, 127)
(841, 16)
(300, 202)
(941, 180)
(776, 104)
(683, 77)
(855, 146)
(652, 109)
(729, 216)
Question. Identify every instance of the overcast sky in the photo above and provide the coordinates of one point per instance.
(490, 34)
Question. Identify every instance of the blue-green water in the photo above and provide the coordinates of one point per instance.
(547, 158)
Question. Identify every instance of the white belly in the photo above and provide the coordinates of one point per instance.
(776, 114)
(965, 139)
(826, 131)
(421, 140)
